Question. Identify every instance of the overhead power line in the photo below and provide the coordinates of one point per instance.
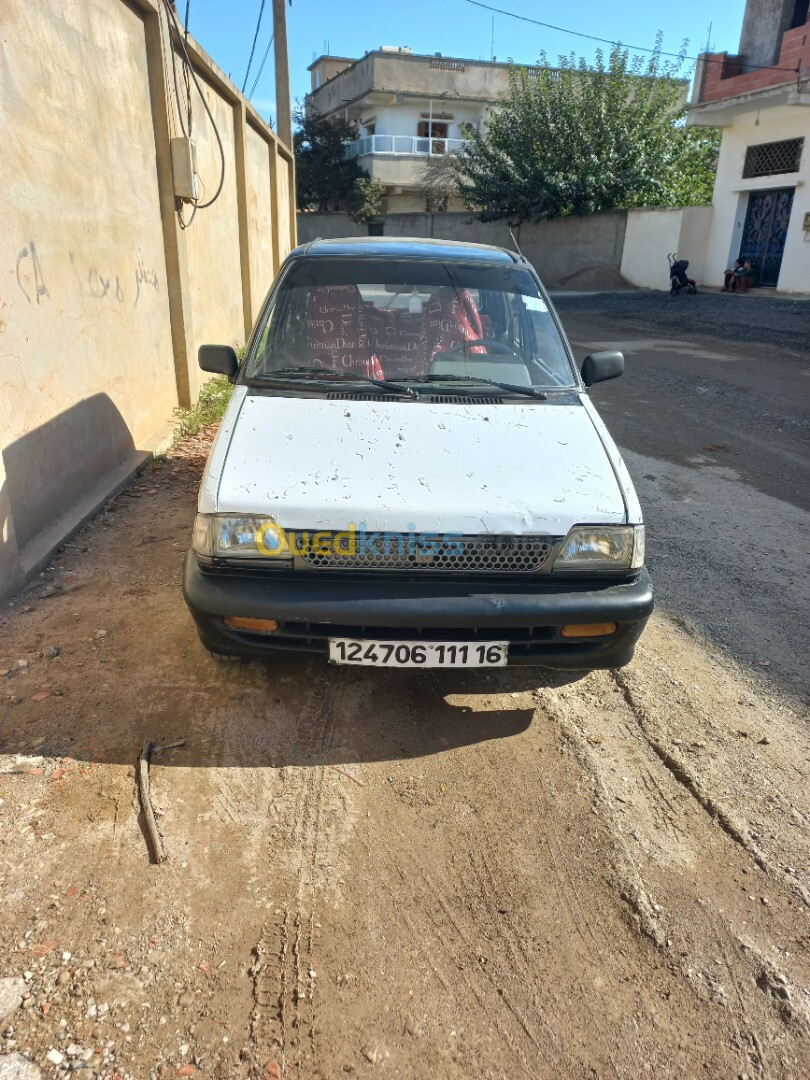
(608, 41)
(253, 46)
(261, 67)
(175, 27)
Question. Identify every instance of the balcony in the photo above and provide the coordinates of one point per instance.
(401, 145)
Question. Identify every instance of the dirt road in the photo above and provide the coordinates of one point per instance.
(406, 874)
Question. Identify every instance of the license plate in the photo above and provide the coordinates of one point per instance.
(427, 654)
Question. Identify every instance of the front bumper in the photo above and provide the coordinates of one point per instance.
(313, 606)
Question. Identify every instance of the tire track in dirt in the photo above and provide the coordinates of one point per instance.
(428, 913)
(703, 921)
(301, 864)
(627, 879)
(685, 776)
(464, 918)
(746, 1032)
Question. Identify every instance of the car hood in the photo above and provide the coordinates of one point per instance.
(310, 463)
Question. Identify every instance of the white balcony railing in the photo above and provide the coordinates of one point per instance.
(412, 145)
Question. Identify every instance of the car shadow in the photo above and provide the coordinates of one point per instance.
(355, 715)
(291, 711)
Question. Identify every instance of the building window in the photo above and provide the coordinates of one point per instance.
(799, 14)
(772, 158)
(427, 130)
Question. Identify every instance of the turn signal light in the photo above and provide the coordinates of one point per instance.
(258, 626)
(597, 629)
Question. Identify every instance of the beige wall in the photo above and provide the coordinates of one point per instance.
(212, 241)
(103, 297)
(285, 201)
(558, 249)
(260, 217)
(405, 202)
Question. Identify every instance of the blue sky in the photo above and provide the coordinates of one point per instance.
(452, 27)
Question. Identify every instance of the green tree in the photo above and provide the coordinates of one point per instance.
(692, 178)
(324, 177)
(367, 200)
(580, 139)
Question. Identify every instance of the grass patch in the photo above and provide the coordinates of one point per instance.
(209, 407)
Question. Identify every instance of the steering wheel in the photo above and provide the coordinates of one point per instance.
(498, 347)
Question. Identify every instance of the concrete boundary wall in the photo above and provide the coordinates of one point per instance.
(570, 251)
(593, 252)
(104, 296)
(652, 234)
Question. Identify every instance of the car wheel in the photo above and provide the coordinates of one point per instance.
(224, 658)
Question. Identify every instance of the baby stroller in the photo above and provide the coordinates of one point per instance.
(677, 275)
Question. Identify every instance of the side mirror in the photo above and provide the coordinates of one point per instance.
(602, 365)
(219, 359)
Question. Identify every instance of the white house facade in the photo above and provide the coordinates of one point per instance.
(761, 100)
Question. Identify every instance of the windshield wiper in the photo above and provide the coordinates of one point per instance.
(513, 388)
(327, 375)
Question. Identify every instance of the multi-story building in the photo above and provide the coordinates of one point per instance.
(408, 109)
(760, 97)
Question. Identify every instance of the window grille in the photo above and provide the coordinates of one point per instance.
(772, 158)
(448, 65)
(534, 73)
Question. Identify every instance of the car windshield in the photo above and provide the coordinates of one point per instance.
(409, 321)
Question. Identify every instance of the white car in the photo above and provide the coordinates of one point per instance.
(411, 473)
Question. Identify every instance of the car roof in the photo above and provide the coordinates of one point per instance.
(394, 247)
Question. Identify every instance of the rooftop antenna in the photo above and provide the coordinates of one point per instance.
(492, 41)
(517, 245)
(708, 48)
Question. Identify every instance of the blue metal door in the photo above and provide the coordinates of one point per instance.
(765, 232)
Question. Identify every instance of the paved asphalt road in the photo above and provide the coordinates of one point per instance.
(712, 417)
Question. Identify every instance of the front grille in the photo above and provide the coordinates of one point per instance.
(381, 551)
(525, 642)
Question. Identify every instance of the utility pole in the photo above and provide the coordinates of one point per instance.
(283, 108)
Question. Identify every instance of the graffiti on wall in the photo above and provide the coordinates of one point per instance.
(97, 283)
(29, 274)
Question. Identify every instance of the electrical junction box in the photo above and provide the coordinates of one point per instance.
(184, 168)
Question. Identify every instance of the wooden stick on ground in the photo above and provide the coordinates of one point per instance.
(149, 748)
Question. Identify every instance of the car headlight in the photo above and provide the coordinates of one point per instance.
(239, 536)
(602, 547)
